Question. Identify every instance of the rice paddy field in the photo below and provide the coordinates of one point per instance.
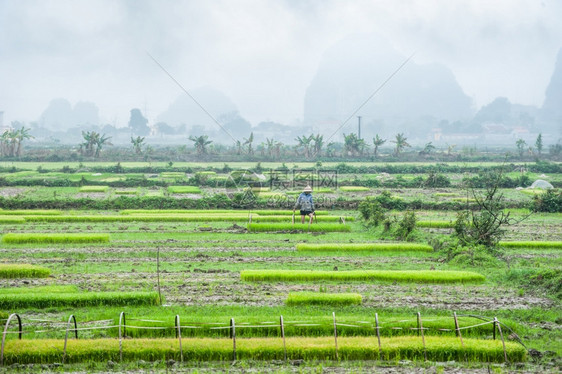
(177, 273)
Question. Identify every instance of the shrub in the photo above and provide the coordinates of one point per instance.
(93, 189)
(550, 202)
(350, 247)
(11, 271)
(184, 189)
(77, 299)
(326, 227)
(372, 211)
(415, 276)
(322, 298)
(314, 348)
(406, 225)
(13, 238)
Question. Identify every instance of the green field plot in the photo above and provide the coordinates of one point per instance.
(184, 190)
(93, 189)
(414, 276)
(11, 271)
(322, 298)
(11, 219)
(50, 238)
(435, 224)
(533, 244)
(350, 247)
(354, 189)
(288, 219)
(319, 348)
(13, 301)
(321, 227)
(27, 212)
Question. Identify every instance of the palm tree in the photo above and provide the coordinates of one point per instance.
(318, 143)
(353, 145)
(137, 143)
(90, 140)
(401, 143)
(248, 142)
(101, 140)
(201, 143)
(378, 142)
(429, 147)
(304, 142)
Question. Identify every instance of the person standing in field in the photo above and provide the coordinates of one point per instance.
(305, 204)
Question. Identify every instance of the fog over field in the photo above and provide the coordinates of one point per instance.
(262, 65)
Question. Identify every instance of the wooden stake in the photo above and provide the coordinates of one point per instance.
(281, 324)
(233, 336)
(378, 334)
(420, 324)
(178, 334)
(496, 322)
(121, 335)
(335, 334)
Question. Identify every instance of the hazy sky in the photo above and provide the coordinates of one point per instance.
(261, 53)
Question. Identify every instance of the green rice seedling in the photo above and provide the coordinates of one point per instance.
(260, 189)
(435, 224)
(40, 289)
(76, 299)
(11, 271)
(22, 212)
(314, 190)
(139, 218)
(206, 173)
(533, 191)
(321, 298)
(413, 276)
(445, 194)
(29, 351)
(533, 244)
(464, 200)
(352, 247)
(286, 218)
(25, 238)
(271, 195)
(6, 220)
(172, 174)
(93, 189)
(184, 189)
(354, 188)
(320, 227)
(215, 211)
(126, 192)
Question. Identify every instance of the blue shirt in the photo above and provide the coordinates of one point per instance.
(304, 202)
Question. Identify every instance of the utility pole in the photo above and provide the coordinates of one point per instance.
(359, 126)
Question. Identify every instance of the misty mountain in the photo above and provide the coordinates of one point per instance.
(184, 111)
(352, 69)
(551, 111)
(60, 115)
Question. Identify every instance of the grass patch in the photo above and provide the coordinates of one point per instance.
(354, 188)
(147, 218)
(445, 194)
(93, 189)
(76, 299)
(352, 247)
(533, 244)
(414, 276)
(11, 271)
(40, 289)
(184, 189)
(24, 238)
(435, 224)
(320, 227)
(208, 349)
(533, 191)
(322, 298)
(215, 211)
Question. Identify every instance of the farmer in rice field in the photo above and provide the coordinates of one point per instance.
(305, 204)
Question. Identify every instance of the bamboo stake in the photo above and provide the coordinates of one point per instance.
(281, 324)
(378, 334)
(335, 334)
(501, 335)
(233, 336)
(423, 338)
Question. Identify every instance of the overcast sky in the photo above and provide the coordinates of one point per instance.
(261, 53)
